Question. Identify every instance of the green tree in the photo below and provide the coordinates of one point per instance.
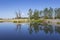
(41, 14)
(30, 13)
(45, 13)
(57, 13)
(36, 14)
(50, 14)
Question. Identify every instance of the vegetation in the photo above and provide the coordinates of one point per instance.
(30, 13)
(1, 21)
(57, 13)
(37, 21)
(47, 13)
(18, 15)
(58, 22)
(36, 15)
(14, 21)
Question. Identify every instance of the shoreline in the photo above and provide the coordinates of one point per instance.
(51, 21)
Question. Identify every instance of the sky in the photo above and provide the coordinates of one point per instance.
(8, 8)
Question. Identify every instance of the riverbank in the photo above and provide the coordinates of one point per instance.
(53, 21)
(15, 20)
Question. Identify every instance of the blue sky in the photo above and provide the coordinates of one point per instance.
(9, 7)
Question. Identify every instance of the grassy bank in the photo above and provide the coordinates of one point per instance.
(37, 21)
(32, 21)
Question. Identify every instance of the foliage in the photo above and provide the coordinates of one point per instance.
(57, 13)
(58, 22)
(30, 13)
(48, 13)
(37, 21)
(36, 14)
(16, 21)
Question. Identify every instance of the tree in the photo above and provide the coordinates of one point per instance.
(50, 13)
(36, 14)
(18, 15)
(45, 13)
(57, 13)
(30, 13)
(41, 14)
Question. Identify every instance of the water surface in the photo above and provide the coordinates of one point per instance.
(26, 31)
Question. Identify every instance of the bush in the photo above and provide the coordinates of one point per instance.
(57, 17)
(15, 21)
(58, 22)
(37, 21)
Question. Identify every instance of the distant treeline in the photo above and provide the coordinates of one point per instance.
(47, 13)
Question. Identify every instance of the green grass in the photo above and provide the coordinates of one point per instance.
(37, 21)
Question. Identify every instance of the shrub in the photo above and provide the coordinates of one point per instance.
(15, 21)
(58, 22)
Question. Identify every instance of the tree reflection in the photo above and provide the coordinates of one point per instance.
(18, 27)
(48, 29)
(57, 29)
(30, 29)
(35, 27)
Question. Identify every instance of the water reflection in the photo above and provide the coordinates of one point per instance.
(35, 27)
(18, 27)
(48, 29)
(57, 29)
(32, 31)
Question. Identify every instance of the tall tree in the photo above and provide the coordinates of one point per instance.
(36, 14)
(45, 13)
(41, 14)
(57, 12)
(19, 14)
(30, 13)
(16, 15)
(50, 14)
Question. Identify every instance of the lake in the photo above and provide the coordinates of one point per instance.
(28, 31)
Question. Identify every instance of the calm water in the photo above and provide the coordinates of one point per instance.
(26, 31)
